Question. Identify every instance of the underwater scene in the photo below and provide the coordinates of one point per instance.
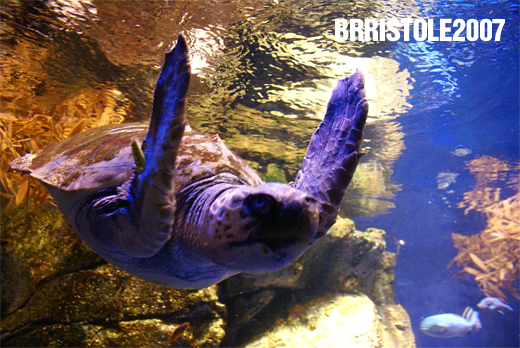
(425, 249)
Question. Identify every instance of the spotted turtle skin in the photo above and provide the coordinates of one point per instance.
(197, 213)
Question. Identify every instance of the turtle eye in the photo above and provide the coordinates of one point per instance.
(260, 205)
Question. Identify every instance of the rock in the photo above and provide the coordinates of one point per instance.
(383, 290)
(350, 264)
(57, 292)
(246, 307)
(340, 320)
(343, 260)
(107, 307)
(15, 285)
(35, 250)
(243, 283)
(135, 333)
(397, 327)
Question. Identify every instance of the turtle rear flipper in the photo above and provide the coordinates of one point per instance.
(334, 149)
(154, 188)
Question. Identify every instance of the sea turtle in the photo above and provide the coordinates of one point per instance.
(194, 213)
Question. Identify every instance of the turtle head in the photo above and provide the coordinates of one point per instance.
(261, 228)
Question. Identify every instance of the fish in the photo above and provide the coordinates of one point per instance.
(492, 304)
(178, 332)
(447, 325)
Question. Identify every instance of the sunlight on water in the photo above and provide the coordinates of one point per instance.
(258, 82)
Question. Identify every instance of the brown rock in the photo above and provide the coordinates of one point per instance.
(60, 293)
(341, 320)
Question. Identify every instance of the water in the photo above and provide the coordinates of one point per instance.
(465, 96)
(263, 72)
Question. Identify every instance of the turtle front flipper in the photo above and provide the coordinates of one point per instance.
(153, 190)
(334, 149)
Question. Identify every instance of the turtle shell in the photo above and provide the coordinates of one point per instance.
(102, 157)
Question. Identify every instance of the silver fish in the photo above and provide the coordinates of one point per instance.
(450, 325)
(493, 304)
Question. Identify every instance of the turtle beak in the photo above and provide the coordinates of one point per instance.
(292, 229)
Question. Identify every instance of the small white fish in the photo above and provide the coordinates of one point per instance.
(450, 325)
(493, 304)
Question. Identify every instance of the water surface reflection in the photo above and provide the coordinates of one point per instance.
(263, 73)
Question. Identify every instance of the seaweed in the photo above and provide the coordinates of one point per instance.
(38, 109)
(20, 136)
(493, 255)
(88, 107)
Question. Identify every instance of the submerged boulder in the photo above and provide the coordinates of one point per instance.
(58, 292)
(340, 320)
(347, 275)
(107, 307)
(343, 260)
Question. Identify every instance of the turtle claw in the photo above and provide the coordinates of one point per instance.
(334, 149)
(139, 160)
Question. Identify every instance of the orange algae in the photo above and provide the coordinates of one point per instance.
(491, 256)
(38, 109)
(18, 137)
(22, 134)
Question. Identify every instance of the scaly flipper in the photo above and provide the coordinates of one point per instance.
(154, 188)
(334, 149)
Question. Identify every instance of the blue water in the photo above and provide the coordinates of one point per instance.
(474, 106)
